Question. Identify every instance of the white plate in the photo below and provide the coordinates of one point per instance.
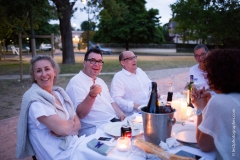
(114, 129)
(186, 133)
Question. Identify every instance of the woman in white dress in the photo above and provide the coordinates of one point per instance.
(218, 116)
(47, 125)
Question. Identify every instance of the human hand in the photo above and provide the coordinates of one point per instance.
(121, 115)
(135, 106)
(95, 90)
(200, 97)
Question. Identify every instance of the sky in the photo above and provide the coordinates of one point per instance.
(161, 5)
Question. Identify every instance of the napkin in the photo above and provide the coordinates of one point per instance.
(99, 147)
(170, 143)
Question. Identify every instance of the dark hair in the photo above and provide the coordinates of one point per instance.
(43, 57)
(120, 56)
(198, 46)
(95, 50)
(222, 69)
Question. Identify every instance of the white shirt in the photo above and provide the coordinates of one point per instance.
(102, 111)
(128, 88)
(199, 74)
(221, 120)
(44, 143)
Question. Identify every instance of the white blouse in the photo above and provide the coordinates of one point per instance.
(44, 143)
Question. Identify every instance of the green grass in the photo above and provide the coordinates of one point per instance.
(111, 64)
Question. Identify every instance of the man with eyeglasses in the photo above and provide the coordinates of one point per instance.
(200, 53)
(131, 86)
(90, 95)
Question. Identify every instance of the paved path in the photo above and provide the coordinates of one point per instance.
(162, 77)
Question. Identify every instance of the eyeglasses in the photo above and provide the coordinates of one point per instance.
(93, 61)
(201, 55)
(130, 58)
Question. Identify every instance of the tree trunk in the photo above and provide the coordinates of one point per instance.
(127, 45)
(64, 8)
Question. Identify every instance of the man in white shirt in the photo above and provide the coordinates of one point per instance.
(200, 53)
(90, 95)
(131, 86)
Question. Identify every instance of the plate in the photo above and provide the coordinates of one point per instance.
(186, 133)
(114, 129)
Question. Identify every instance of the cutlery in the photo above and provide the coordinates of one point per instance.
(130, 123)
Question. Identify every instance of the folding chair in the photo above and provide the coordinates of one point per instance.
(15, 50)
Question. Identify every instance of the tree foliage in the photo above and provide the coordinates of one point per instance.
(210, 21)
(125, 21)
(88, 26)
(16, 18)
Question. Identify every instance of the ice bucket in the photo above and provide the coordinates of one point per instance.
(157, 127)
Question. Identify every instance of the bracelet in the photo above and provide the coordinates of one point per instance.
(91, 95)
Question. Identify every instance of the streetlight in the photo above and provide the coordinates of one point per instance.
(84, 2)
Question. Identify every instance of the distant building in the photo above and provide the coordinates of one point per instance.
(177, 38)
(76, 38)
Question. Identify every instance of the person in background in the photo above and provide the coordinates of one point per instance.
(48, 125)
(90, 95)
(200, 53)
(131, 86)
(218, 116)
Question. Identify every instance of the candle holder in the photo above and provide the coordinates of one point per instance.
(123, 144)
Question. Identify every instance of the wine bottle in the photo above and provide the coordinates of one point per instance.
(190, 85)
(153, 100)
(168, 107)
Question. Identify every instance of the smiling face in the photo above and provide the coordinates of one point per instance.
(44, 74)
(129, 61)
(91, 68)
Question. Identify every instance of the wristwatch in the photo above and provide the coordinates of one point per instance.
(199, 112)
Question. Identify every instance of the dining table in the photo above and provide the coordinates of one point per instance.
(135, 153)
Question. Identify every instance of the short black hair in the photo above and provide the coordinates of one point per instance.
(95, 50)
(198, 46)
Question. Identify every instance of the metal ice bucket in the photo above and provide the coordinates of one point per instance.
(157, 127)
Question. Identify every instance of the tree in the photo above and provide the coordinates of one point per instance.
(166, 35)
(23, 16)
(65, 11)
(209, 21)
(128, 21)
(85, 27)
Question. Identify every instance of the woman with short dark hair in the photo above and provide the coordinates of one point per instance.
(218, 116)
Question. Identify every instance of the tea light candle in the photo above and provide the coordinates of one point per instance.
(123, 144)
(183, 110)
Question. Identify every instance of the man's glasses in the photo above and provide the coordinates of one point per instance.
(130, 58)
(201, 55)
(93, 61)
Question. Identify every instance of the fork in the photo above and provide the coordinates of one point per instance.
(130, 123)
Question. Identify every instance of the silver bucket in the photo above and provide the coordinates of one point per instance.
(157, 127)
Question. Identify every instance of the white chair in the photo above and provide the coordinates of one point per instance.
(28, 49)
(15, 50)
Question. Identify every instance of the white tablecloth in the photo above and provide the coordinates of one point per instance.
(84, 153)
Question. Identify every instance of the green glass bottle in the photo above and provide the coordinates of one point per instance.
(190, 85)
